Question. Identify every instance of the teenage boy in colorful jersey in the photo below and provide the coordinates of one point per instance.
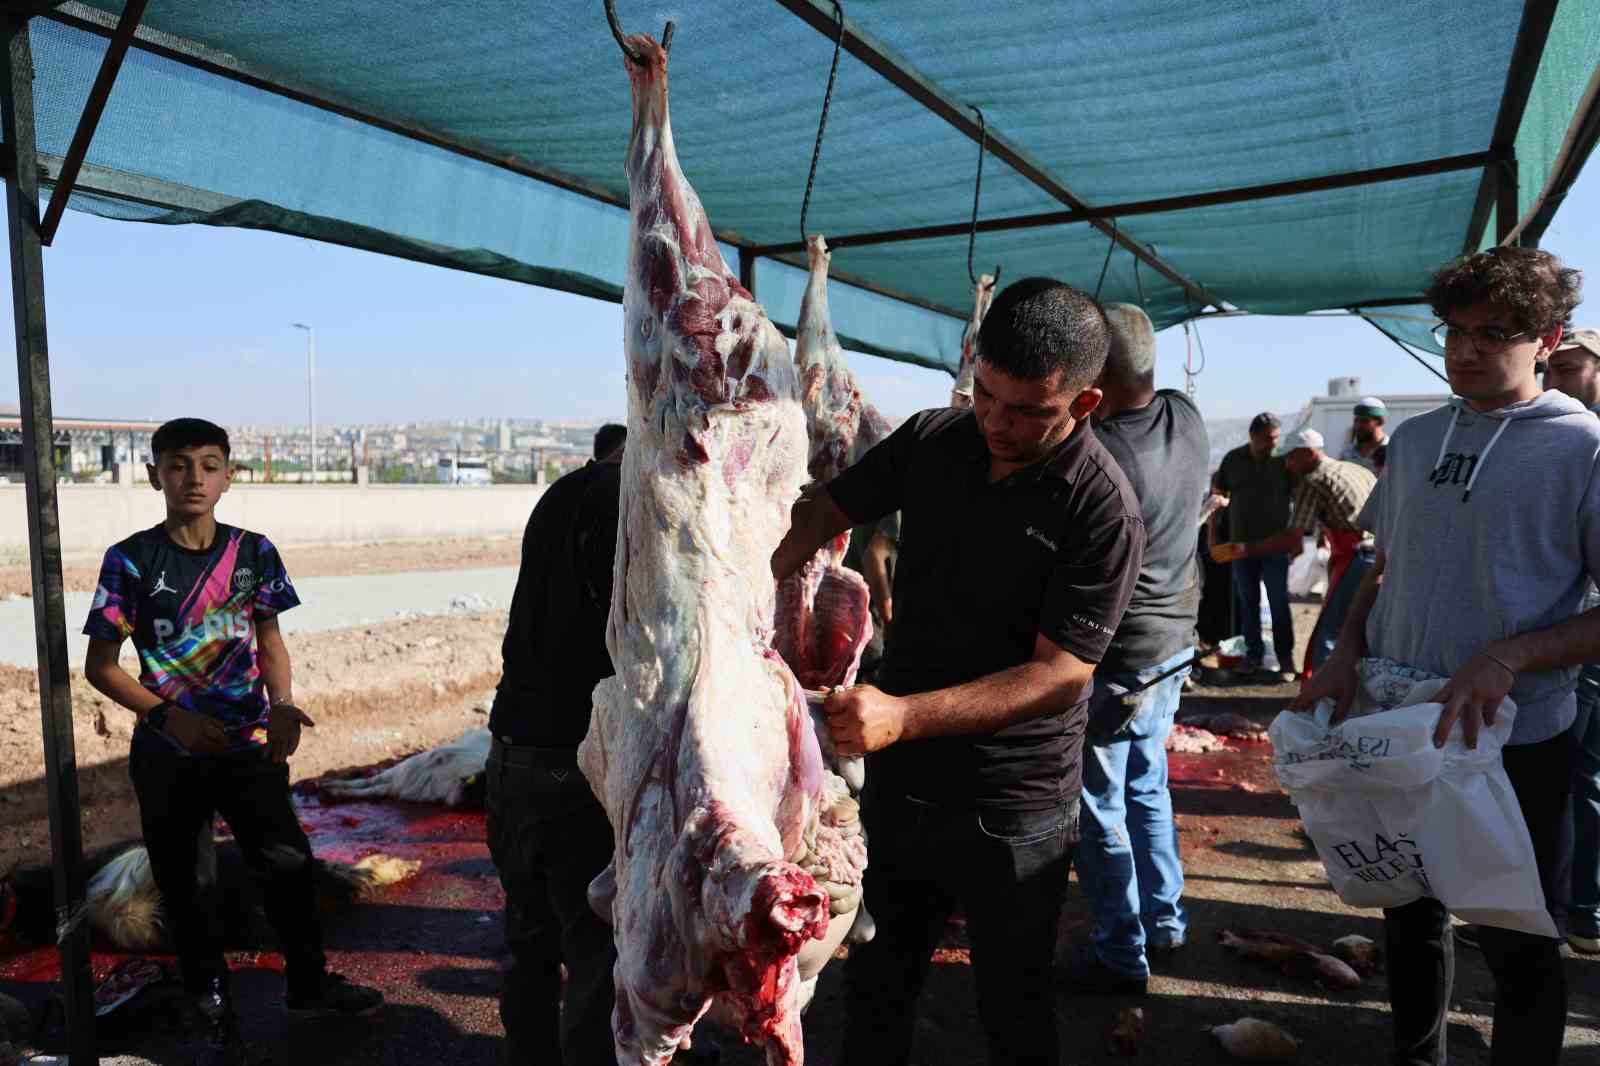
(216, 725)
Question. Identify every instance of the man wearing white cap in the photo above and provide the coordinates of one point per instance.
(1366, 433)
(1329, 493)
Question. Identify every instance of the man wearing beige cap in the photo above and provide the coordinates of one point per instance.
(1574, 368)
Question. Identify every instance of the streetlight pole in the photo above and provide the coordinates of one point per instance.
(311, 400)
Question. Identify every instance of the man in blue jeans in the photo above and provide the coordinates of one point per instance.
(1257, 486)
(1128, 862)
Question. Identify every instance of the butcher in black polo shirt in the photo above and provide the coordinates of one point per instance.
(1021, 542)
(548, 834)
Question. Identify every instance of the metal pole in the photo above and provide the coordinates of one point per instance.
(311, 402)
(311, 395)
(44, 532)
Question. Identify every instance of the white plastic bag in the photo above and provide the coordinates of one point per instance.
(1395, 819)
(1308, 572)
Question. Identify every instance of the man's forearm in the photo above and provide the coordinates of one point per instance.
(1574, 642)
(813, 521)
(116, 684)
(1019, 694)
(1289, 542)
(875, 569)
(276, 673)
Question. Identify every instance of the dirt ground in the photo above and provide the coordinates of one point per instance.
(313, 560)
(432, 943)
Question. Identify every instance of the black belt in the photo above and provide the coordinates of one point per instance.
(512, 752)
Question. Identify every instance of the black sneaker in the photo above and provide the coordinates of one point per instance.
(1086, 975)
(335, 998)
(1163, 953)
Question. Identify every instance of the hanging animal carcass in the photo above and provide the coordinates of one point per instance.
(701, 748)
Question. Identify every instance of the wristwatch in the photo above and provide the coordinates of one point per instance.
(156, 717)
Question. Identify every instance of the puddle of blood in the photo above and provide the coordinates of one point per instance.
(454, 877)
(1247, 768)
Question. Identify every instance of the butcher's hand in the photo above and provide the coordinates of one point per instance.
(195, 731)
(1473, 696)
(863, 719)
(283, 730)
(1334, 680)
(1227, 552)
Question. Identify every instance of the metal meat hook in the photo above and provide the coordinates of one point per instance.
(977, 191)
(627, 49)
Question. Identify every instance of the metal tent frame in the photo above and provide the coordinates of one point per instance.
(30, 231)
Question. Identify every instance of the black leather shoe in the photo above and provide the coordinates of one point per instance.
(1086, 975)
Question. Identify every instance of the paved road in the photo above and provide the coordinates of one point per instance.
(326, 603)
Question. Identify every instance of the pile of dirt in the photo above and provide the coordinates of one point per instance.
(375, 692)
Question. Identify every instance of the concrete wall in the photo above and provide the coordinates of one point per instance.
(94, 517)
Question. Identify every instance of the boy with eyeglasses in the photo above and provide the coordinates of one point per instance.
(1487, 520)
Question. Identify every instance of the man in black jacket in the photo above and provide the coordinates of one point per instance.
(548, 834)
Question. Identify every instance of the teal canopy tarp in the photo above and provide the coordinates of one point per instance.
(220, 116)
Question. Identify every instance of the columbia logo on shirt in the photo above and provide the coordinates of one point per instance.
(1041, 538)
(1090, 623)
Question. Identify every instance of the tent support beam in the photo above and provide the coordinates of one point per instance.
(1505, 202)
(1246, 194)
(44, 531)
(1534, 31)
(1388, 301)
(99, 93)
(820, 16)
(747, 269)
(1582, 135)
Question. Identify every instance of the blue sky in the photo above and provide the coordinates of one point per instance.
(155, 321)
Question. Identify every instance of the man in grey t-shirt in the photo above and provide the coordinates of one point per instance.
(1128, 863)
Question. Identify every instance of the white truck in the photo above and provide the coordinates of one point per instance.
(467, 470)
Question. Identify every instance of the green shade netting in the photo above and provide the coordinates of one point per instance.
(1412, 324)
(1566, 70)
(1118, 100)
